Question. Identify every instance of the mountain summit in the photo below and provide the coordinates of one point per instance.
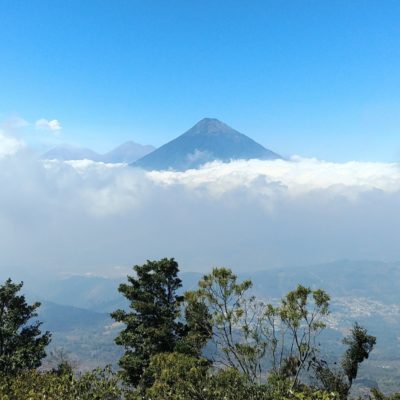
(210, 125)
(208, 140)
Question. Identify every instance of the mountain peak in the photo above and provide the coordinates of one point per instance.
(210, 125)
(208, 140)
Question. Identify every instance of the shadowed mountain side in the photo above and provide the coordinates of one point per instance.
(56, 318)
(209, 140)
(86, 337)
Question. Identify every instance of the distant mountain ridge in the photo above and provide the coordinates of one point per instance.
(66, 152)
(208, 140)
(127, 152)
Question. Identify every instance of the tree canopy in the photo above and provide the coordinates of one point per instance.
(22, 345)
(216, 342)
(152, 324)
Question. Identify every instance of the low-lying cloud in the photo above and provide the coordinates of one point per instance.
(83, 216)
(9, 145)
(298, 176)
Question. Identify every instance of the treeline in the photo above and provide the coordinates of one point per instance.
(217, 342)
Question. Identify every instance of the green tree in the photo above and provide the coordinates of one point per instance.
(178, 376)
(35, 385)
(152, 324)
(359, 346)
(182, 377)
(237, 321)
(292, 329)
(22, 345)
(249, 335)
(198, 326)
(61, 362)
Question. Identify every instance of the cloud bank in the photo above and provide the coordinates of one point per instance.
(83, 216)
(9, 145)
(298, 176)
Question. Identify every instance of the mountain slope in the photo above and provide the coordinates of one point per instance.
(127, 153)
(67, 152)
(60, 318)
(86, 337)
(209, 140)
(86, 292)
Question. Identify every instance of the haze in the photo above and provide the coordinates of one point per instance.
(87, 217)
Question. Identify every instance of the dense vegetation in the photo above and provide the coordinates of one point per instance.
(215, 342)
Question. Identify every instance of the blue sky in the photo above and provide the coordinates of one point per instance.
(315, 78)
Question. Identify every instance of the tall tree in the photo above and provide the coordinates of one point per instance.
(236, 322)
(22, 346)
(198, 326)
(359, 346)
(245, 331)
(292, 329)
(152, 324)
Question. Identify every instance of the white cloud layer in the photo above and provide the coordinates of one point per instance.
(85, 216)
(9, 145)
(297, 176)
(49, 125)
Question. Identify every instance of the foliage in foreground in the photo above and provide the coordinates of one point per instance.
(179, 377)
(22, 345)
(182, 377)
(153, 325)
(258, 351)
(35, 385)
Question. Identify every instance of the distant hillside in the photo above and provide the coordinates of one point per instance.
(87, 337)
(82, 292)
(61, 318)
(209, 140)
(125, 153)
(67, 152)
(376, 280)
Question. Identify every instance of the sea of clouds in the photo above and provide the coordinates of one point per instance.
(83, 216)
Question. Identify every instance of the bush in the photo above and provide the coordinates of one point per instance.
(34, 385)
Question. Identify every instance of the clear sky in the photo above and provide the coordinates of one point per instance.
(311, 77)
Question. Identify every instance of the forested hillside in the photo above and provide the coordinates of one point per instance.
(215, 341)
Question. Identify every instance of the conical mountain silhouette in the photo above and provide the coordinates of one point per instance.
(208, 140)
